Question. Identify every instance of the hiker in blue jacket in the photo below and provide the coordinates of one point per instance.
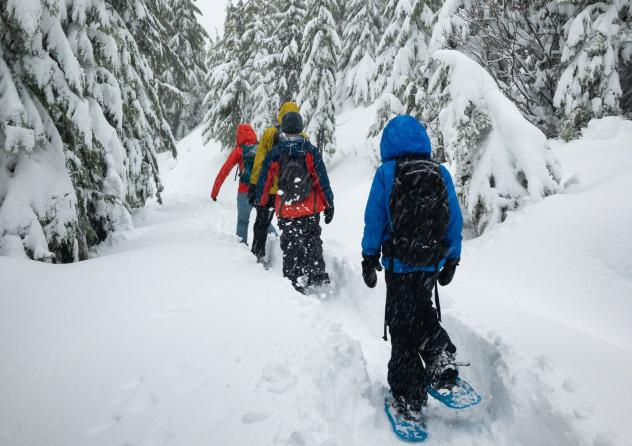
(413, 222)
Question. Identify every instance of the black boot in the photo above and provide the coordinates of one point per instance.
(441, 371)
(411, 407)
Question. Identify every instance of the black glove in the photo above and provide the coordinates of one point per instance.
(369, 265)
(447, 273)
(252, 194)
(329, 215)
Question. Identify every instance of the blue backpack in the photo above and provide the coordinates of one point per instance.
(249, 153)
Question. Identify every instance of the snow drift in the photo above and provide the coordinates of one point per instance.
(500, 159)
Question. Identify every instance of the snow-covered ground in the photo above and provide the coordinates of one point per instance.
(174, 335)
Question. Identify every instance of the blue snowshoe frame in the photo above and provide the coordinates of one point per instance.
(404, 430)
(462, 396)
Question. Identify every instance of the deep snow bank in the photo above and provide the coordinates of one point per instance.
(163, 341)
(552, 286)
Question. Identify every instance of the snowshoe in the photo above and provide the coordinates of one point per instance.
(458, 395)
(444, 384)
(408, 425)
(263, 262)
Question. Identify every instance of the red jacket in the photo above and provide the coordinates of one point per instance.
(245, 136)
(321, 196)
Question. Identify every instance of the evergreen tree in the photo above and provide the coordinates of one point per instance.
(260, 47)
(80, 124)
(362, 29)
(395, 14)
(183, 78)
(321, 47)
(500, 159)
(214, 54)
(411, 44)
(403, 52)
(596, 44)
(229, 86)
(288, 45)
(518, 43)
(339, 14)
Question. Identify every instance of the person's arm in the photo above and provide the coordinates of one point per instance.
(375, 217)
(320, 176)
(265, 144)
(453, 235)
(233, 159)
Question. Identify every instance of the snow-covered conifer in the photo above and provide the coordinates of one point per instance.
(80, 124)
(321, 48)
(590, 83)
(517, 42)
(449, 25)
(288, 42)
(394, 14)
(412, 45)
(227, 100)
(499, 158)
(363, 25)
(183, 77)
(260, 47)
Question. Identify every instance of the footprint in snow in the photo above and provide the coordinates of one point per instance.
(132, 383)
(103, 426)
(296, 439)
(277, 378)
(255, 417)
(140, 403)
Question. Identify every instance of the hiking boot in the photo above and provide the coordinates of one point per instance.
(441, 372)
(411, 408)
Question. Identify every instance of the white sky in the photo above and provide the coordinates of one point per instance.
(213, 14)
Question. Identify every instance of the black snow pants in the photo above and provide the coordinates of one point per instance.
(302, 249)
(265, 214)
(416, 333)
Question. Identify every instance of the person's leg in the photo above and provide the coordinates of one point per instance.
(434, 337)
(437, 350)
(243, 217)
(258, 239)
(314, 264)
(291, 247)
(271, 228)
(265, 214)
(405, 369)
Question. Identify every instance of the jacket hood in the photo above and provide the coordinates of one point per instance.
(288, 107)
(402, 136)
(246, 135)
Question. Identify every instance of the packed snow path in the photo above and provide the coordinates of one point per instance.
(174, 335)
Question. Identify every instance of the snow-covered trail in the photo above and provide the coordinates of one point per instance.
(176, 336)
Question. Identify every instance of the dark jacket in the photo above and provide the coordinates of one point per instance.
(321, 197)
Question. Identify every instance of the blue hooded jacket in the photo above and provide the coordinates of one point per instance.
(404, 136)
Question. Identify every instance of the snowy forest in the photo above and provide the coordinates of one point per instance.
(135, 309)
(92, 90)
